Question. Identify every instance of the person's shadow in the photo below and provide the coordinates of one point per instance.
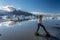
(42, 37)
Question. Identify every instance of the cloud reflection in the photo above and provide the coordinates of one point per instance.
(7, 24)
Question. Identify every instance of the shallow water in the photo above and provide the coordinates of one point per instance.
(10, 30)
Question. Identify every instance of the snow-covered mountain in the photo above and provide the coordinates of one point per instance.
(12, 11)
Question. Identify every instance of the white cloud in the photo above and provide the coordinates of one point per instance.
(39, 13)
(46, 14)
(19, 8)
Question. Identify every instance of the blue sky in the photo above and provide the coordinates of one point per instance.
(49, 6)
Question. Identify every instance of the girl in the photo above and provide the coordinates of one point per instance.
(41, 25)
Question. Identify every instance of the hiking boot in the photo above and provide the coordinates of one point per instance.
(36, 34)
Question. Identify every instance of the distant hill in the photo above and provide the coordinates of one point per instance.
(19, 12)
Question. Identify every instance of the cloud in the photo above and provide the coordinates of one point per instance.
(8, 8)
(46, 14)
(40, 13)
(19, 8)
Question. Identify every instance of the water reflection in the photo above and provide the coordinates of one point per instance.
(7, 24)
(41, 37)
(25, 30)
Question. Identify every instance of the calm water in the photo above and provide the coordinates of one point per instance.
(25, 30)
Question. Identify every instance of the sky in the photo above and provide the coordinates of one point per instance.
(48, 6)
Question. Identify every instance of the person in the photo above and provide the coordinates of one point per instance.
(39, 18)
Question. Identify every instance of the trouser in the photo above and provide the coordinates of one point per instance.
(40, 25)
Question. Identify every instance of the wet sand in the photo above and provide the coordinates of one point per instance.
(25, 30)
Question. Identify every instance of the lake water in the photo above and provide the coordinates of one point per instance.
(25, 30)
